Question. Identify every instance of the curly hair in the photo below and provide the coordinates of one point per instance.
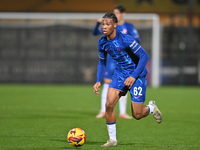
(111, 16)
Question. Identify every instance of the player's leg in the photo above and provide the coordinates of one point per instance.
(110, 69)
(122, 108)
(112, 98)
(115, 91)
(103, 98)
(139, 110)
(138, 94)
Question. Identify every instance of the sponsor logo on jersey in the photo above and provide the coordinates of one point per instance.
(133, 45)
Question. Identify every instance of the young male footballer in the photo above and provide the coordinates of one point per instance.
(130, 74)
(127, 28)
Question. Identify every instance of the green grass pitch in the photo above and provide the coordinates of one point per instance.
(38, 117)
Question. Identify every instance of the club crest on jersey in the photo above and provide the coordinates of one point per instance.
(118, 49)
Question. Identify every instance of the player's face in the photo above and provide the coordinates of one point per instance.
(108, 26)
(120, 16)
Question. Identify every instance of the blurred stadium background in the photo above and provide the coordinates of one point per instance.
(46, 46)
(52, 50)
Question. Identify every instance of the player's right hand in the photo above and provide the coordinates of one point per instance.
(96, 88)
(129, 82)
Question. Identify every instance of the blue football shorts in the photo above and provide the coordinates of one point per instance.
(137, 91)
(110, 68)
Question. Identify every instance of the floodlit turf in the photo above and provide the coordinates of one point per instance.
(38, 117)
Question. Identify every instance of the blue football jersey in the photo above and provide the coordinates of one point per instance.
(126, 28)
(128, 54)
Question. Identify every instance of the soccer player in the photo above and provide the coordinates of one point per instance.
(130, 74)
(127, 28)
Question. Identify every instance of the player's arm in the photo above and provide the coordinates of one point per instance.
(97, 30)
(100, 71)
(143, 59)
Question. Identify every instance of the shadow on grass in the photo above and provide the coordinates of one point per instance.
(87, 142)
(127, 143)
(71, 147)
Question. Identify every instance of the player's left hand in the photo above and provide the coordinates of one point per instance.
(129, 81)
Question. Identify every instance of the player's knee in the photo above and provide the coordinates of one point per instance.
(109, 106)
(137, 116)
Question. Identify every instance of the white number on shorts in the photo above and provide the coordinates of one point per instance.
(137, 90)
